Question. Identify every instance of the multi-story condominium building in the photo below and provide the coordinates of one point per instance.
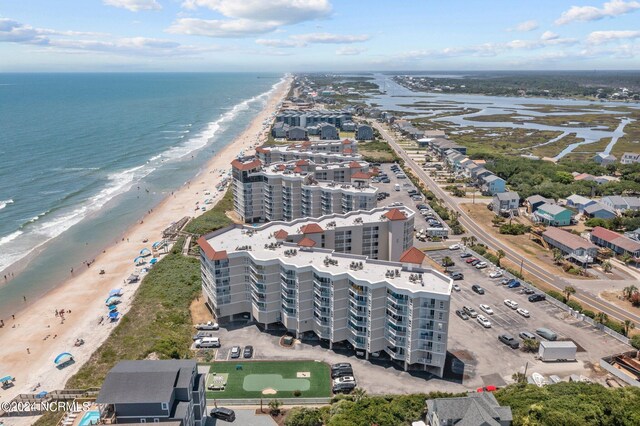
(287, 191)
(153, 392)
(317, 151)
(313, 117)
(325, 286)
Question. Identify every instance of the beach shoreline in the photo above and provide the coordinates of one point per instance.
(30, 341)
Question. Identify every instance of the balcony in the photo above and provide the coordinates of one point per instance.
(395, 333)
(321, 293)
(398, 310)
(322, 303)
(398, 301)
(361, 322)
(258, 288)
(396, 340)
(397, 322)
(357, 310)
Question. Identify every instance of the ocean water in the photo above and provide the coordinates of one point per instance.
(83, 156)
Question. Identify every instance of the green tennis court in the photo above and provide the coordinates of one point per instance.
(259, 382)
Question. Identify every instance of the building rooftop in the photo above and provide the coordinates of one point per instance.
(552, 209)
(597, 207)
(615, 239)
(568, 239)
(261, 244)
(504, 196)
(578, 199)
(476, 409)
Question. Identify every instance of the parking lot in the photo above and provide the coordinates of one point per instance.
(401, 196)
(478, 349)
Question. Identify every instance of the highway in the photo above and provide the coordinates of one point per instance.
(614, 312)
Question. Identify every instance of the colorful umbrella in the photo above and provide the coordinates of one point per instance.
(62, 358)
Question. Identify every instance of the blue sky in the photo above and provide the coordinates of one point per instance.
(317, 35)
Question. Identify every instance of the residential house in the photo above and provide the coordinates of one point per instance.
(297, 133)
(493, 184)
(348, 126)
(586, 177)
(475, 409)
(604, 159)
(506, 203)
(578, 202)
(279, 130)
(599, 211)
(364, 132)
(553, 215)
(536, 201)
(630, 158)
(328, 132)
(154, 392)
(573, 247)
(620, 204)
(620, 244)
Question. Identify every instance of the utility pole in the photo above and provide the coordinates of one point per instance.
(521, 262)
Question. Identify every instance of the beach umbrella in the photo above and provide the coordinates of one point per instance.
(62, 358)
(113, 315)
(145, 252)
(153, 261)
(42, 394)
(157, 244)
(112, 300)
(115, 292)
(113, 308)
(6, 379)
(139, 259)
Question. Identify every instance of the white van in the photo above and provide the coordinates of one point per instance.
(397, 187)
(208, 342)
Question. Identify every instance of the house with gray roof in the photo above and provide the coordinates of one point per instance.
(599, 211)
(604, 159)
(578, 202)
(279, 130)
(630, 158)
(493, 184)
(153, 392)
(536, 201)
(364, 132)
(475, 409)
(297, 133)
(506, 203)
(615, 202)
(328, 132)
(552, 215)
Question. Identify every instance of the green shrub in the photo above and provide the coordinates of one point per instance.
(615, 326)
(588, 313)
(574, 305)
(302, 416)
(557, 295)
(635, 341)
(481, 250)
(514, 229)
(297, 392)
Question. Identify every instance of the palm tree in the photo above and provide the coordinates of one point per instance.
(358, 394)
(568, 291)
(601, 318)
(557, 256)
(472, 240)
(465, 240)
(274, 406)
(628, 325)
(628, 291)
(500, 254)
(607, 266)
(626, 258)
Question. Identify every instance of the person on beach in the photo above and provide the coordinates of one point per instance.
(28, 351)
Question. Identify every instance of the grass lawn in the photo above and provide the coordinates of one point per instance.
(319, 383)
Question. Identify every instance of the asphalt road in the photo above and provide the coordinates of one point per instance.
(558, 283)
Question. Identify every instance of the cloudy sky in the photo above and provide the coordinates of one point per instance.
(306, 35)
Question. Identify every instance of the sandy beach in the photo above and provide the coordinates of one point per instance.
(30, 342)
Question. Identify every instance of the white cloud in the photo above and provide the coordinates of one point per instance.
(601, 37)
(549, 35)
(249, 17)
(134, 5)
(278, 42)
(219, 28)
(349, 51)
(525, 26)
(14, 32)
(591, 13)
(330, 38)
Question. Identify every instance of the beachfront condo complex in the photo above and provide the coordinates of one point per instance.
(288, 191)
(317, 151)
(351, 277)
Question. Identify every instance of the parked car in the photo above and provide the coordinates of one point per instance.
(475, 262)
(456, 287)
(454, 247)
(208, 342)
(208, 326)
(513, 284)
(477, 289)
(523, 312)
(509, 340)
(235, 352)
(470, 311)
(547, 334)
(483, 321)
(525, 335)
(465, 255)
(510, 303)
(223, 413)
(343, 387)
(495, 274)
(202, 334)
(528, 290)
(345, 379)
(537, 297)
(456, 276)
(346, 371)
(481, 265)
(505, 281)
(248, 351)
(486, 309)
(462, 314)
(471, 259)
